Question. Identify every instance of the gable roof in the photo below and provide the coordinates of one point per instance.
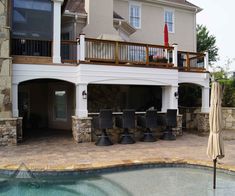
(184, 2)
(78, 6)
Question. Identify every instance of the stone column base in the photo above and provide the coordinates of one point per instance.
(178, 129)
(202, 122)
(10, 130)
(81, 128)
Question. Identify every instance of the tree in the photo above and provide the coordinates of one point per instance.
(207, 42)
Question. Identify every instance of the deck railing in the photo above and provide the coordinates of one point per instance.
(189, 61)
(118, 52)
(95, 51)
(69, 51)
(30, 47)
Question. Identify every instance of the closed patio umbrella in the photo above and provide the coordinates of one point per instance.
(215, 147)
(166, 38)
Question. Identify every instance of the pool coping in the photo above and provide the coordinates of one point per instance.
(115, 164)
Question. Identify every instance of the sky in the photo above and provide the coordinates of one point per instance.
(219, 18)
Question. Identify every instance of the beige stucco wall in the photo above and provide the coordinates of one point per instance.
(100, 18)
(5, 64)
(152, 25)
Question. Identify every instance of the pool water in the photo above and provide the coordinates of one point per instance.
(140, 182)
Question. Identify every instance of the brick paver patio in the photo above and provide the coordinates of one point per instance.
(62, 153)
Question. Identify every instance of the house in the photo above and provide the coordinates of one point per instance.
(71, 58)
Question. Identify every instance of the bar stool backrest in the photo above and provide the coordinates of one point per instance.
(171, 118)
(128, 118)
(151, 118)
(105, 119)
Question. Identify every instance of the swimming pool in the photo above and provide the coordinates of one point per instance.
(162, 181)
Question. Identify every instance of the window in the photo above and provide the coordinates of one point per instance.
(32, 19)
(169, 20)
(60, 107)
(135, 15)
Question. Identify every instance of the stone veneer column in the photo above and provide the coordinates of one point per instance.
(10, 128)
(81, 128)
(10, 131)
(5, 64)
(202, 122)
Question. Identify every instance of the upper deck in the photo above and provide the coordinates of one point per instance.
(108, 52)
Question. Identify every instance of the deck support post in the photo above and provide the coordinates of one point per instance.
(15, 110)
(205, 99)
(57, 30)
(169, 98)
(81, 101)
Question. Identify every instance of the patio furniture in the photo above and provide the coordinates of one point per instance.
(104, 121)
(126, 121)
(171, 122)
(148, 122)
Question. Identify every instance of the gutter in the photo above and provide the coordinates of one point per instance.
(179, 5)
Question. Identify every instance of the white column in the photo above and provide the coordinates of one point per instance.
(15, 110)
(78, 50)
(206, 61)
(81, 102)
(56, 30)
(205, 99)
(169, 99)
(175, 55)
(82, 47)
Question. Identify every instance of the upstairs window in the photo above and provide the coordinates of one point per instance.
(135, 15)
(169, 20)
(32, 19)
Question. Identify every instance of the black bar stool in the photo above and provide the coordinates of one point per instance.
(126, 121)
(103, 121)
(148, 122)
(171, 122)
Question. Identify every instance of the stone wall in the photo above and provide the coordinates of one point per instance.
(81, 129)
(10, 130)
(200, 121)
(228, 115)
(5, 64)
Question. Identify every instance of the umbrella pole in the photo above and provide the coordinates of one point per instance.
(214, 177)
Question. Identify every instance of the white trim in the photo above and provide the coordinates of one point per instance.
(131, 3)
(173, 18)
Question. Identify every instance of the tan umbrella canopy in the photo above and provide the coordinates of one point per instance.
(215, 147)
(215, 142)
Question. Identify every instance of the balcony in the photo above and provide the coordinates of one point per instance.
(31, 51)
(97, 51)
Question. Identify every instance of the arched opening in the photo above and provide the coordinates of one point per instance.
(46, 106)
(189, 103)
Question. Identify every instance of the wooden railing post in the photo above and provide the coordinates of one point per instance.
(116, 53)
(82, 48)
(147, 54)
(78, 50)
(206, 61)
(187, 61)
(175, 55)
